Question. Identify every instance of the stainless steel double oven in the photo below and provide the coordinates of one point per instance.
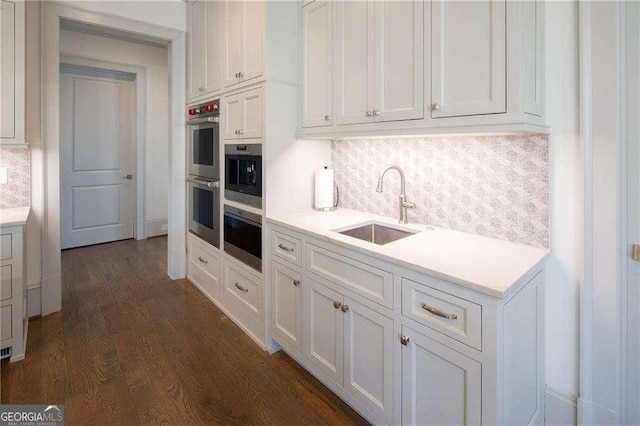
(204, 171)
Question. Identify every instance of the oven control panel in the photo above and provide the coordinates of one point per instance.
(205, 110)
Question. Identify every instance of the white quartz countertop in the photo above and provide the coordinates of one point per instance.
(490, 266)
(14, 216)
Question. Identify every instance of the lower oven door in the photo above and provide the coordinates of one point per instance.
(243, 236)
(204, 210)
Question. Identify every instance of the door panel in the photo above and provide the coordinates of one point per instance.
(252, 116)
(368, 362)
(215, 46)
(439, 385)
(468, 57)
(253, 39)
(317, 28)
(232, 116)
(234, 10)
(197, 46)
(7, 70)
(96, 155)
(354, 59)
(287, 301)
(399, 60)
(324, 329)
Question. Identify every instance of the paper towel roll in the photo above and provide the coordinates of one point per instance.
(324, 188)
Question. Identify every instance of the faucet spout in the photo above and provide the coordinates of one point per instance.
(404, 204)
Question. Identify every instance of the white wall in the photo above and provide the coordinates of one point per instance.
(168, 13)
(563, 270)
(154, 59)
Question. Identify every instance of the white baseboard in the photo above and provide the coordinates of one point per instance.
(561, 409)
(34, 301)
(154, 227)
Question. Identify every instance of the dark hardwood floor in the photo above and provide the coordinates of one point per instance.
(133, 347)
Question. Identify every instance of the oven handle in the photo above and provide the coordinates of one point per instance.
(215, 119)
(244, 219)
(215, 184)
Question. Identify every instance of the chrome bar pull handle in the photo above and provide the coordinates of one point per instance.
(242, 289)
(285, 248)
(636, 252)
(438, 312)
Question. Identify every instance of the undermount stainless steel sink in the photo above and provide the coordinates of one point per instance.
(377, 233)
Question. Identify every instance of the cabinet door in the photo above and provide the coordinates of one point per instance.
(317, 62)
(7, 68)
(197, 47)
(399, 77)
(468, 65)
(233, 13)
(368, 358)
(215, 47)
(439, 385)
(286, 320)
(323, 344)
(252, 114)
(232, 116)
(354, 60)
(252, 39)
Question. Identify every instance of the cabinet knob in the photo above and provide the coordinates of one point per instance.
(328, 118)
(376, 112)
(241, 132)
(404, 340)
(296, 282)
(345, 308)
(236, 132)
(368, 114)
(337, 305)
(435, 106)
(240, 74)
(236, 75)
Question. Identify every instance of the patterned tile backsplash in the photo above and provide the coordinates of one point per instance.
(17, 193)
(497, 186)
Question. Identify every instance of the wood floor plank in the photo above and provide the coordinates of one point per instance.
(133, 347)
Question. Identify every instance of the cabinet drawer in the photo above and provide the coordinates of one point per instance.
(5, 282)
(457, 318)
(203, 258)
(244, 289)
(5, 247)
(5, 323)
(366, 280)
(286, 247)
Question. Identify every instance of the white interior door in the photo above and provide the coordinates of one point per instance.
(97, 116)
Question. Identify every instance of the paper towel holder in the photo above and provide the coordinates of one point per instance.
(335, 204)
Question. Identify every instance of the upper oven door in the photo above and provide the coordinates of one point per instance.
(204, 140)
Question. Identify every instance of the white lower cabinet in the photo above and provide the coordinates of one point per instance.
(439, 385)
(286, 316)
(441, 355)
(351, 344)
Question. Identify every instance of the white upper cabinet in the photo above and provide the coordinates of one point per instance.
(380, 61)
(243, 115)
(399, 60)
(197, 45)
(215, 46)
(423, 67)
(12, 73)
(468, 58)
(244, 40)
(317, 63)
(354, 59)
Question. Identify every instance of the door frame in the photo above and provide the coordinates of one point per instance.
(603, 288)
(51, 16)
(139, 158)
